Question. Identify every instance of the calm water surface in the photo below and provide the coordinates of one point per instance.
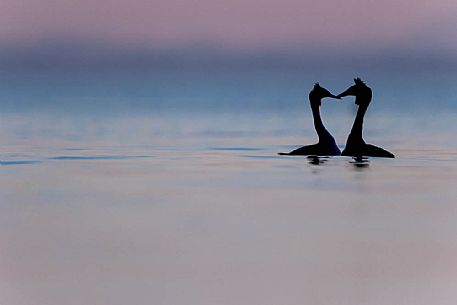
(138, 211)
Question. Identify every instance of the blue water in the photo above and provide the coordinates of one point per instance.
(239, 87)
(152, 188)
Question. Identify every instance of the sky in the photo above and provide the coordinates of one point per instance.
(235, 25)
(189, 52)
(94, 57)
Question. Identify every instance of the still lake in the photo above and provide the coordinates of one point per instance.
(196, 207)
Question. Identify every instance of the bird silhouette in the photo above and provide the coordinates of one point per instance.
(355, 145)
(326, 145)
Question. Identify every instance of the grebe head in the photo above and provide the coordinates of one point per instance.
(319, 93)
(360, 90)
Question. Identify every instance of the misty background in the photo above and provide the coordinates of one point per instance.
(228, 60)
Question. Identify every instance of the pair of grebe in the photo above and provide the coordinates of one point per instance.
(355, 145)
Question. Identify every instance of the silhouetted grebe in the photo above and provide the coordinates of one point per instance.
(355, 145)
(326, 145)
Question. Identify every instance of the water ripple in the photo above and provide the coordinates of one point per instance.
(97, 157)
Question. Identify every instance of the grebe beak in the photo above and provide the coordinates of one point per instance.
(345, 93)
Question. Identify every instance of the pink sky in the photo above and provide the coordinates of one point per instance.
(237, 24)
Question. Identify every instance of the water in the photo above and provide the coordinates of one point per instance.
(135, 206)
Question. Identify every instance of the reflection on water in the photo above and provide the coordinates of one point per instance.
(316, 160)
(192, 219)
(357, 162)
(360, 162)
